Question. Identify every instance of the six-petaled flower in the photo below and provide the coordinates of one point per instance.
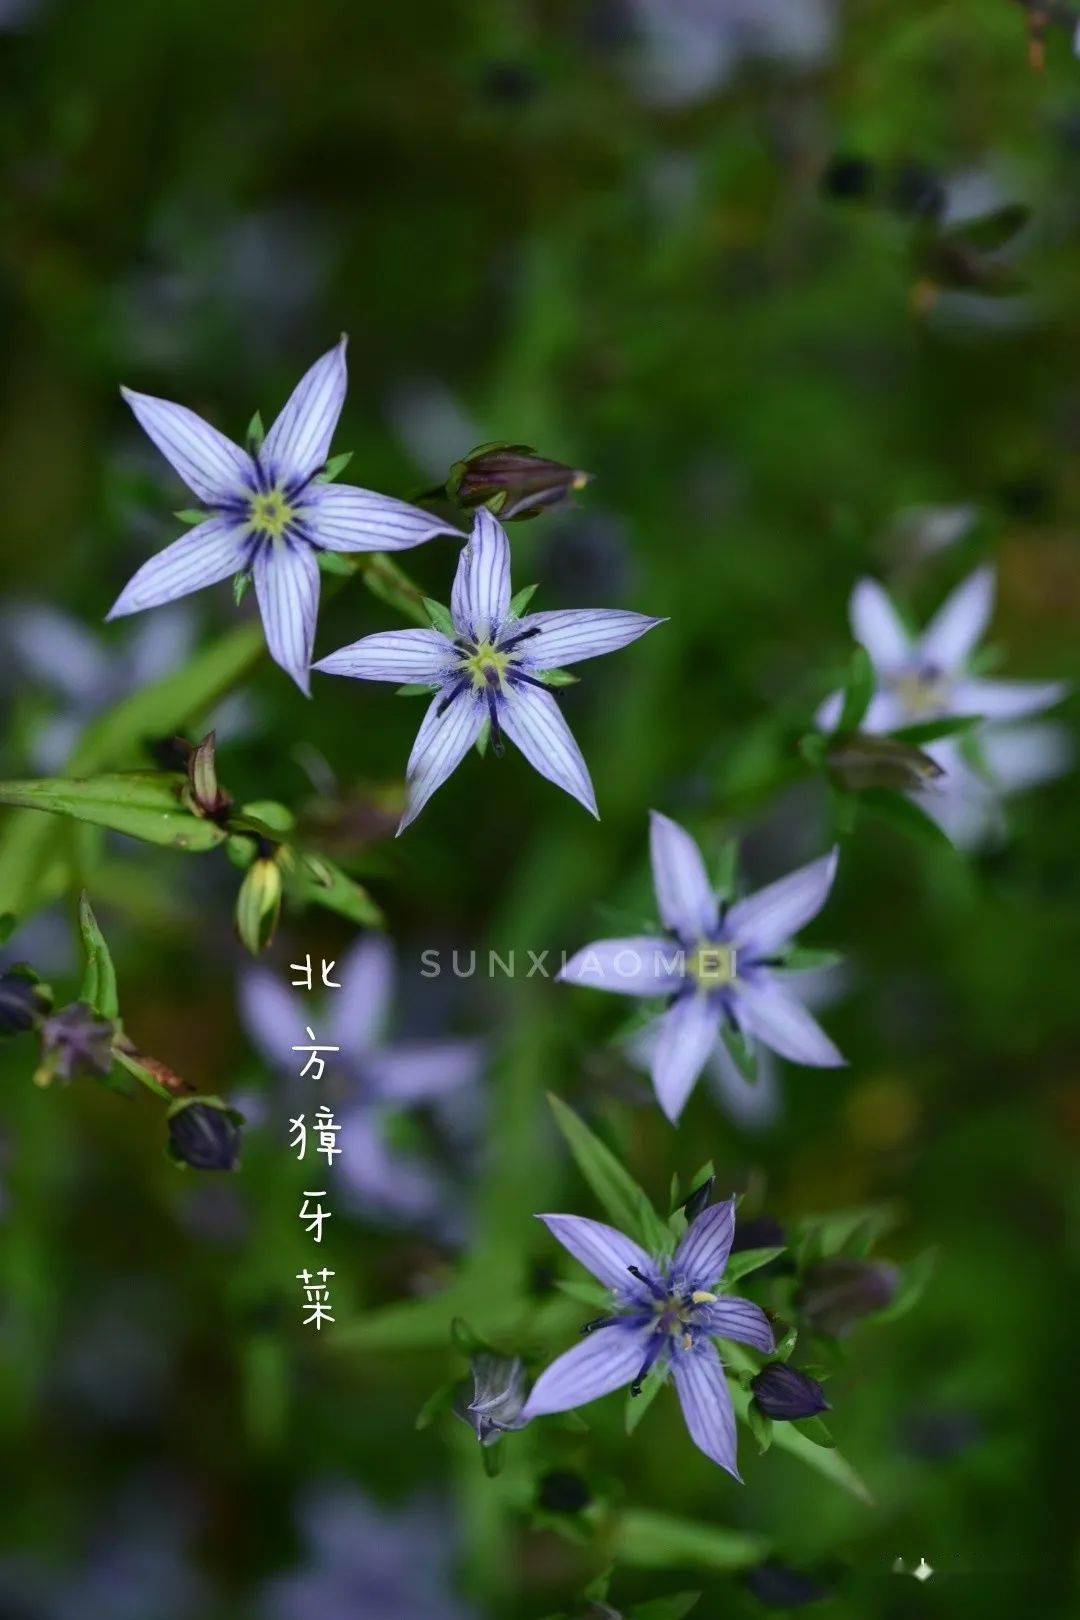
(718, 965)
(490, 672)
(268, 512)
(665, 1314)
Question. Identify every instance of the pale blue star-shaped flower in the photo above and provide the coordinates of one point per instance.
(719, 966)
(490, 672)
(929, 677)
(268, 513)
(665, 1314)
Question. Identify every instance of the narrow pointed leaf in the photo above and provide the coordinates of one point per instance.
(319, 882)
(99, 980)
(615, 1188)
(143, 804)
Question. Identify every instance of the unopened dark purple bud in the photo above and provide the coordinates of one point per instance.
(563, 1492)
(205, 1135)
(512, 480)
(762, 1232)
(836, 1294)
(24, 1001)
(778, 1587)
(785, 1394)
(699, 1200)
(76, 1041)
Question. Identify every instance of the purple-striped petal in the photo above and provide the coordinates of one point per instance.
(740, 1319)
(688, 1032)
(571, 634)
(342, 517)
(779, 1020)
(531, 719)
(956, 629)
(603, 1250)
(445, 737)
(604, 1360)
(627, 967)
(683, 892)
(876, 624)
(393, 655)
(706, 1404)
(209, 552)
(763, 922)
(287, 587)
(419, 1071)
(1006, 700)
(360, 1009)
(703, 1250)
(209, 463)
(299, 442)
(480, 599)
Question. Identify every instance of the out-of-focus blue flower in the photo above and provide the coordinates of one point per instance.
(665, 1314)
(694, 46)
(367, 1561)
(929, 677)
(490, 672)
(87, 677)
(369, 1082)
(268, 512)
(718, 965)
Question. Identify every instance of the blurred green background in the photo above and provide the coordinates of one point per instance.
(562, 224)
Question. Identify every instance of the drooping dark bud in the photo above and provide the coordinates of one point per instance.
(75, 1041)
(512, 481)
(848, 178)
(205, 1134)
(563, 1492)
(863, 761)
(206, 795)
(24, 1000)
(778, 1587)
(786, 1395)
(497, 1397)
(834, 1295)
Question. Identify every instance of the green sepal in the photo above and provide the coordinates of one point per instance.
(817, 1432)
(440, 617)
(483, 738)
(337, 563)
(521, 599)
(335, 467)
(191, 515)
(439, 1401)
(741, 1051)
(638, 1405)
(806, 959)
(558, 677)
(761, 1427)
(415, 689)
(949, 725)
(858, 691)
(99, 980)
(256, 433)
(241, 585)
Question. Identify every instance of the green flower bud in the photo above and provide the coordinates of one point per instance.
(258, 905)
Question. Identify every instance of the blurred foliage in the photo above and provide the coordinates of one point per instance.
(763, 364)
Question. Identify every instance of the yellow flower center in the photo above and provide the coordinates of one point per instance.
(270, 514)
(711, 966)
(486, 666)
(922, 696)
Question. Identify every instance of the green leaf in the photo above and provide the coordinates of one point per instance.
(99, 981)
(440, 617)
(638, 1405)
(949, 725)
(761, 1427)
(843, 1231)
(786, 1437)
(816, 1432)
(651, 1540)
(439, 1401)
(256, 433)
(614, 1187)
(744, 1261)
(316, 880)
(905, 815)
(335, 467)
(521, 599)
(858, 691)
(672, 1607)
(143, 804)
